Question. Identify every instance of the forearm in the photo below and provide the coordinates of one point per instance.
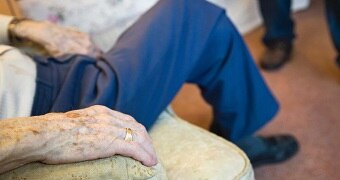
(21, 141)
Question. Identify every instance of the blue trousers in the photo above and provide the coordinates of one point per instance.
(280, 26)
(176, 42)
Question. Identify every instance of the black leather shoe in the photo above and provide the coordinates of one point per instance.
(277, 54)
(277, 149)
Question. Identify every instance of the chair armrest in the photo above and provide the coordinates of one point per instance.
(190, 152)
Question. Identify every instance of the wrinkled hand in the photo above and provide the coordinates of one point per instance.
(57, 40)
(93, 133)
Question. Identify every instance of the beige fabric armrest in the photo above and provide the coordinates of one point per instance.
(190, 152)
(116, 167)
(185, 150)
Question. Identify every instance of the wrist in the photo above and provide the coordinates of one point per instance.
(13, 36)
(37, 138)
(22, 142)
(30, 139)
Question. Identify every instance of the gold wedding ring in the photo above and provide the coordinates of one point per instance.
(128, 134)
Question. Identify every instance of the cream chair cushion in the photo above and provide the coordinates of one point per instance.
(189, 152)
(116, 167)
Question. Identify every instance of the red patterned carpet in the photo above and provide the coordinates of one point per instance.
(308, 89)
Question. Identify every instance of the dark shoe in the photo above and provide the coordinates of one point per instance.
(277, 54)
(268, 150)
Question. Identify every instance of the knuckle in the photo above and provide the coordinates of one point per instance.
(89, 110)
(141, 127)
(97, 106)
(129, 118)
(104, 108)
(144, 139)
(100, 108)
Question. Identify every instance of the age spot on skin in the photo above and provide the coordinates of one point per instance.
(35, 132)
(72, 115)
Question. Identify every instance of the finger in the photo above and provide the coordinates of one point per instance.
(106, 115)
(68, 44)
(135, 151)
(81, 38)
(144, 140)
(72, 47)
(52, 50)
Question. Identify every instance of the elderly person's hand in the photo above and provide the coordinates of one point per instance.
(86, 134)
(57, 40)
(94, 133)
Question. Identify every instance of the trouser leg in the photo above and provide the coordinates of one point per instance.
(241, 101)
(277, 19)
(333, 18)
(156, 55)
(177, 41)
(192, 41)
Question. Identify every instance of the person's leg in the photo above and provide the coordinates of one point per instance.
(279, 32)
(277, 20)
(197, 44)
(165, 49)
(177, 41)
(333, 18)
(226, 74)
